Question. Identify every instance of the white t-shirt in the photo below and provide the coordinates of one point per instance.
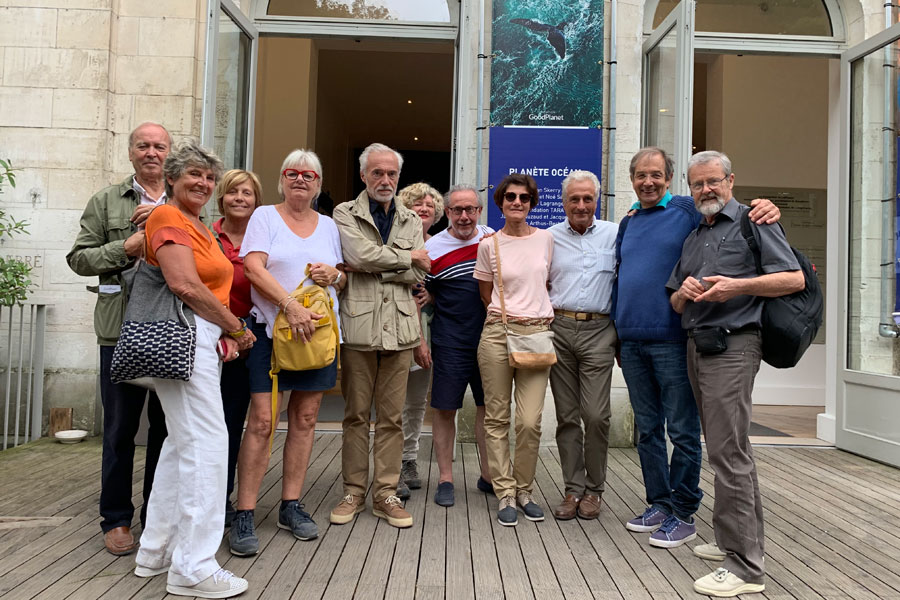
(288, 256)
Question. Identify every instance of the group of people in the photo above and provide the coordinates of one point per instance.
(420, 313)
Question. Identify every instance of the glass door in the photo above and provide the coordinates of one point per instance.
(229, 88)
(868, 371)
(668, 81)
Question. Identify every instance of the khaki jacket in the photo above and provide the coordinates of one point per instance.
(377, 308)
(99, 249)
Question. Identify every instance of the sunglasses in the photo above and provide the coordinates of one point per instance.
(293, 174)
(511, 197)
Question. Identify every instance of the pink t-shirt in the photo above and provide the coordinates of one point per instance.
(526, 266)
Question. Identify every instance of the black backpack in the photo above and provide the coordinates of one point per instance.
(789, 323)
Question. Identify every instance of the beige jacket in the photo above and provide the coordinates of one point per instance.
(377, 308)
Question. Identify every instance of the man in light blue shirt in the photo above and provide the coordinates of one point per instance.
(581, 282)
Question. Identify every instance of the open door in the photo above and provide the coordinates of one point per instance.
(668, 81)
(229, 91)
(868, 347)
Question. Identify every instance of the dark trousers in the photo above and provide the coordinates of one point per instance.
(235, 386)
(723, 385)
(663, 403)
(122, 407)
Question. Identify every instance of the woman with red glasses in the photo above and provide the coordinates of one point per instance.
(280, 242)
(525, 254)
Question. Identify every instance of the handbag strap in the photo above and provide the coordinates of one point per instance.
(500, 279)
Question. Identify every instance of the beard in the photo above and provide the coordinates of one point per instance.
(708, 209)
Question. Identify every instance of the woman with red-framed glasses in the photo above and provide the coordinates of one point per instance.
(280, 242)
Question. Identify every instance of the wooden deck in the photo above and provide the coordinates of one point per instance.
(832, 525)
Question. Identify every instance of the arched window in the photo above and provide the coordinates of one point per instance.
(421, 11)
(819, 18)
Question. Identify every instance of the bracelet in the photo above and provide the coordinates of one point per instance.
(289, 300)
(337, 279)
(239, 332)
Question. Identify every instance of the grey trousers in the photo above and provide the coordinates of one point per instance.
(723, 384)
(580, 381)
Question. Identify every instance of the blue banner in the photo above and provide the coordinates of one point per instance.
(546, 153)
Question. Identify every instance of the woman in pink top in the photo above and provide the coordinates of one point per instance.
(525, 254)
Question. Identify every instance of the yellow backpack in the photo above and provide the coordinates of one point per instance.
(292, 355)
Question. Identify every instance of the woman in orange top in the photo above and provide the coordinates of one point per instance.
(185, 510)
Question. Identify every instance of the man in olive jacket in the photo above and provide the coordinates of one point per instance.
(111, 237)
(384, 252)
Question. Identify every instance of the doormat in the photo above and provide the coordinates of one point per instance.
(762, 431)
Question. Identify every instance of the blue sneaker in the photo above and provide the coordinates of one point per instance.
(242, 540)
(647, 522)
(507, 515)
(484, 485)
(444, 495)
(672, 533)
(529, 507)
(292, 517)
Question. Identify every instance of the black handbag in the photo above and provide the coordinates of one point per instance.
(159, 333)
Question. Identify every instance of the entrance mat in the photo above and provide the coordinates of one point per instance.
(762, 431)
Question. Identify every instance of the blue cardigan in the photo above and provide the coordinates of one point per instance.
(647, 247)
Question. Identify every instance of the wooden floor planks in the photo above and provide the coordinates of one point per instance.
(832, 532)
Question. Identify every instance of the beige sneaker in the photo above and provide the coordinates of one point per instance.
(348, 508)
(709, 552)
(221, 584)
(722, 583)
(391, 508)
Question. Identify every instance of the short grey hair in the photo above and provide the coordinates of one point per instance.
(374, 148)
(707, 156)
(300, 157)
(190, 153)
(650, 151)
(574, 176)
(145, 124)
(463, 187)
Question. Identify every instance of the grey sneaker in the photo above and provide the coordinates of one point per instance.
(410, 474)
(403, 490)
(529, 507)
(221, 584)
(292, 517)
(508, 516)
(242, 538)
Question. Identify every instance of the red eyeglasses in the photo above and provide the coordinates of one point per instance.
(293, 174)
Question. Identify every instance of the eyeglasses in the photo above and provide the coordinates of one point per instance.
(293, 174)
(511, 197)
(712, 184)
(469, 210)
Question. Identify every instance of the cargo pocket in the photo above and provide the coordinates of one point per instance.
(408, 323)
(358, 322)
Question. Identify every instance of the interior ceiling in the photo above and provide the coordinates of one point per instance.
(371, 82)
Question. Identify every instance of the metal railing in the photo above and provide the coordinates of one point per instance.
(22, 361)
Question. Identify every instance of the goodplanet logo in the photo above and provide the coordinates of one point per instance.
(545, 117)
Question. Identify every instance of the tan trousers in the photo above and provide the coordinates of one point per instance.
(530, 386)
(368, 376)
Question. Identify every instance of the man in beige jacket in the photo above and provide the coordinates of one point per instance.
(384, 251)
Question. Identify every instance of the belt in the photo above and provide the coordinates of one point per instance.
(580, 316)
(739, 330)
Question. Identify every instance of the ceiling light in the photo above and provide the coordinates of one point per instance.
(416, 139)
(409, 101)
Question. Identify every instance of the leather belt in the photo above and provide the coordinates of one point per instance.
(739, 330)
(580, 316)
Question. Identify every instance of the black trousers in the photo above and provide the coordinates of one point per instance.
(122, 407)
(235, 385)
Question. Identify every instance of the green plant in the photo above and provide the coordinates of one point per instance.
(15, 274)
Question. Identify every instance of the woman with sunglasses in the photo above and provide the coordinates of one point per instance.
(280, 242)
(525, 254)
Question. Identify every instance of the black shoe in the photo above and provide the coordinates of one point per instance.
(403, 490)
(484, 486)
(229, 512)
(444, 495)
(410, 474)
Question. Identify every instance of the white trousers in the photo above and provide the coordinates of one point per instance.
(186, 507)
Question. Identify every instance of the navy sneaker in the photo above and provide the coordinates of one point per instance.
(292, 517)
(444, 495)
(242, 538)
(484, 485)
(647, 522)
(529, 507)
(673, 532)
(507, 515)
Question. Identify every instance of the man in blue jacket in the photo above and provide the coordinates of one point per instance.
(653, 351)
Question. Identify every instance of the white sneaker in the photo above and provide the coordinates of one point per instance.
(709, 552)
(142, 571)
(723, 583)
(221, 584)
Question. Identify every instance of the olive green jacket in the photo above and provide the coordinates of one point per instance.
(100, 250)
(377, 308)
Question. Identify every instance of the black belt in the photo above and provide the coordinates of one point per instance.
(739, 330)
